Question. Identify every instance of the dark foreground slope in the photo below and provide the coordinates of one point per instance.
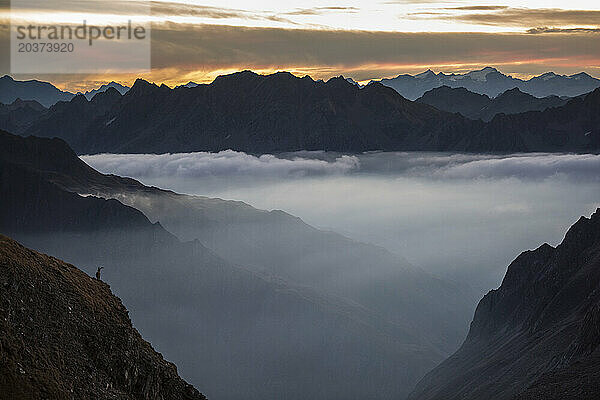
(537, 336)
(64, 335)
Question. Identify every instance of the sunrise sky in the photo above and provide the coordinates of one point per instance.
(198, 40)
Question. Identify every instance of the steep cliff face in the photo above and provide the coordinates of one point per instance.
(537, 336)
(64, 335)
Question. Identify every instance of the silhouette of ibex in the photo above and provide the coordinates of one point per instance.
(98, 273)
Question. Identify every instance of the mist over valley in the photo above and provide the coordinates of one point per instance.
(461, 216)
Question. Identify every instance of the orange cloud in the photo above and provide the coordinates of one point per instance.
(182, 53)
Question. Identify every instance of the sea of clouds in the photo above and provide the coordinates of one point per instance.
(221, 164)
(464, 216)
(298, 165)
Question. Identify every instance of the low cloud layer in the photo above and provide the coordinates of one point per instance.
(222, 164)
(297, 165)
(468, 166)
(464, 216)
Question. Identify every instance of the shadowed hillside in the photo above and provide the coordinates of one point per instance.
(65, 335)
(538, 335)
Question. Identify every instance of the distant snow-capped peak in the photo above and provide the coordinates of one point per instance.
(481, 75)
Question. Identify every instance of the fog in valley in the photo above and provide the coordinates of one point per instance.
(463, 217)
(316, 275)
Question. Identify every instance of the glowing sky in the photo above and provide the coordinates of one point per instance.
(199, 39)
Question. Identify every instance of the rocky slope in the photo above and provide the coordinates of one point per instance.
(538, 335)
(64, 335)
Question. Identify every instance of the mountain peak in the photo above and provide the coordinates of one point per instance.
(547, 76)
(513, 91)
(79, 99)
(581, 75)
(236, 76)
(427, 74)
(188, 85)
(142, 86)
(481, 75)
(139, 82)
(340, 79)
(106, 97)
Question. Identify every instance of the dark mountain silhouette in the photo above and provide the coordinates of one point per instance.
(455, 100)
(45, 93)
(76, 115)
(514, 101)
(281, 113)
(491, 82)
(117, 86)
(65, 335)
(232, 329)
(42, 92)
(572, 127)
(255, 113)
(537, 336)
(19, 114)
(478, 106)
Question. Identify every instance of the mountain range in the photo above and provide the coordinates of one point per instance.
(488, 81)
(65, 335)
(281, 113)
(491, 82)
(278, 112)
(44, 93)
(480, 106)
(248, 298)
(537, 336)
